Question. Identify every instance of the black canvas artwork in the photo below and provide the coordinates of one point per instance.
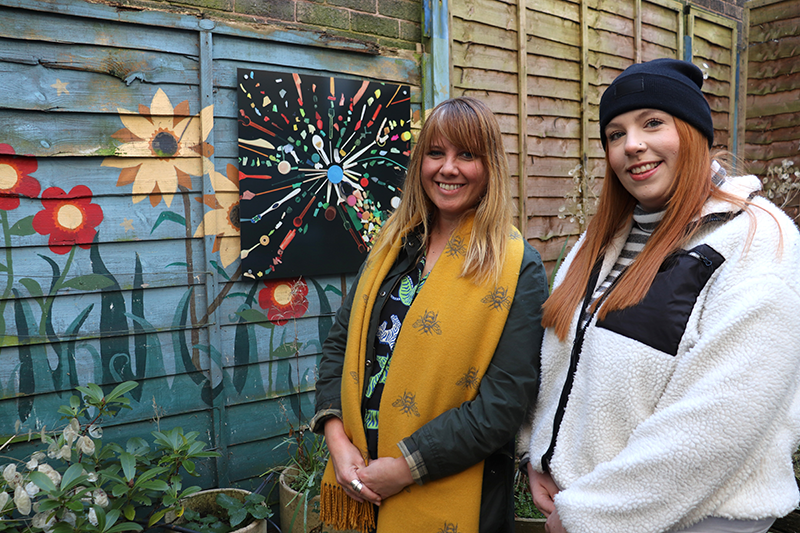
(321, 166)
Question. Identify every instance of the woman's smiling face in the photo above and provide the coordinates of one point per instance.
(643, 147)
(454, 179)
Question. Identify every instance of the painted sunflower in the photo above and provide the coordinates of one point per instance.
(223, 219)
(160, 148)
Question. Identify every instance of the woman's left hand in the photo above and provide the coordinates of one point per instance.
(386, 476)
(553, 524)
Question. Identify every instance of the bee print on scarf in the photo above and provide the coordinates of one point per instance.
(428, 323)
(470, 379)
(407, 403)
(449, 527)
(497, 299)
(456, 247)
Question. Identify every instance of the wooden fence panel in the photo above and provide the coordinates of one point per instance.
(572, 50)
(133, 116)
(772, 132)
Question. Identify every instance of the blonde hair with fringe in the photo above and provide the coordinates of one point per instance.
(691, 188)
(470, 125)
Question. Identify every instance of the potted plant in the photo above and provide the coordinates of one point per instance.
(300, 481)
(79, 483)
(227, 510)
(527, 518)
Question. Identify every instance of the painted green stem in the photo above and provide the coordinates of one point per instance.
(48, 303)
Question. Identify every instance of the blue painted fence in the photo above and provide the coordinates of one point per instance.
(119, 227)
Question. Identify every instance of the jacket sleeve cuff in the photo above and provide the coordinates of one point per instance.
(317, 424)
(419, 472)
(523, 463)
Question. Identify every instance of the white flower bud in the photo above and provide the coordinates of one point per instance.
(43, 521)
(9, 471)
(65, 453)
(100, 497)
(95, 431)
(86, 445)
(22, 500)
(72, 431)
(3, 499)
(92, 516)
(32, 489)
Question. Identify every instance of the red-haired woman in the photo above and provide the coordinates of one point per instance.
(671, 360)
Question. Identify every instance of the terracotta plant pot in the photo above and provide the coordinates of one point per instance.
(529, 525)
(292, 508)
(205, 502)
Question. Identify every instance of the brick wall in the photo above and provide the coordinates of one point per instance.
(729, 8)
(386, 23)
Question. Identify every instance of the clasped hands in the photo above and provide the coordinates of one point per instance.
(384, 477)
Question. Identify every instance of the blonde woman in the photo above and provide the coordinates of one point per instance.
(432, 360)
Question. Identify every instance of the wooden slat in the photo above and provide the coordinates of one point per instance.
(231, 53)
(475, 79)
(785, 102)
(773, 11)
(483, 34)
(768, 32)
(553, 28)
(762, 87)
(62, 91)
(484, 57)
(19, 24)
(785, 48)
(489, 12)
(59, 135)
(771, 69)
(773, 122)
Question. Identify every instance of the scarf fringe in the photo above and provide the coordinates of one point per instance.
(340, 511)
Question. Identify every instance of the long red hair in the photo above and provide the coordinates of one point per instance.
(691, 188)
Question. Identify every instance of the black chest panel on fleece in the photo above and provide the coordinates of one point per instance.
(660, 319)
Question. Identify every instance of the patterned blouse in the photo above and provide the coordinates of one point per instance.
(391, 319)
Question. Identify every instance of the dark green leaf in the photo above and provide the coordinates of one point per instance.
(121, 389)
(220, 270)
(128, 463)
(168, 215)
(73, 476)
(237, 517)
(42, 481)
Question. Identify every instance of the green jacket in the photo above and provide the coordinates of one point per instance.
(483, 429)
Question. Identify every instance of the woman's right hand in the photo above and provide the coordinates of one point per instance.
(347, 460)
(543, 490)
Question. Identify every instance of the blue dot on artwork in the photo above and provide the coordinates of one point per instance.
(315, 158)
(335, 174)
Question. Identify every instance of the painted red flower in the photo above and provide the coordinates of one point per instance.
(15, 179)
(284, 299)
(69, 219)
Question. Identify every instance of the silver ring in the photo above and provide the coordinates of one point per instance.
(357, 485)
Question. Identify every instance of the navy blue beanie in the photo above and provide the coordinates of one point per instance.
(668, 85)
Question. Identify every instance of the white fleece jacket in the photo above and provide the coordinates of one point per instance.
(652, 441)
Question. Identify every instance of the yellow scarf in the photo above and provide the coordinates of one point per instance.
(445, 345)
